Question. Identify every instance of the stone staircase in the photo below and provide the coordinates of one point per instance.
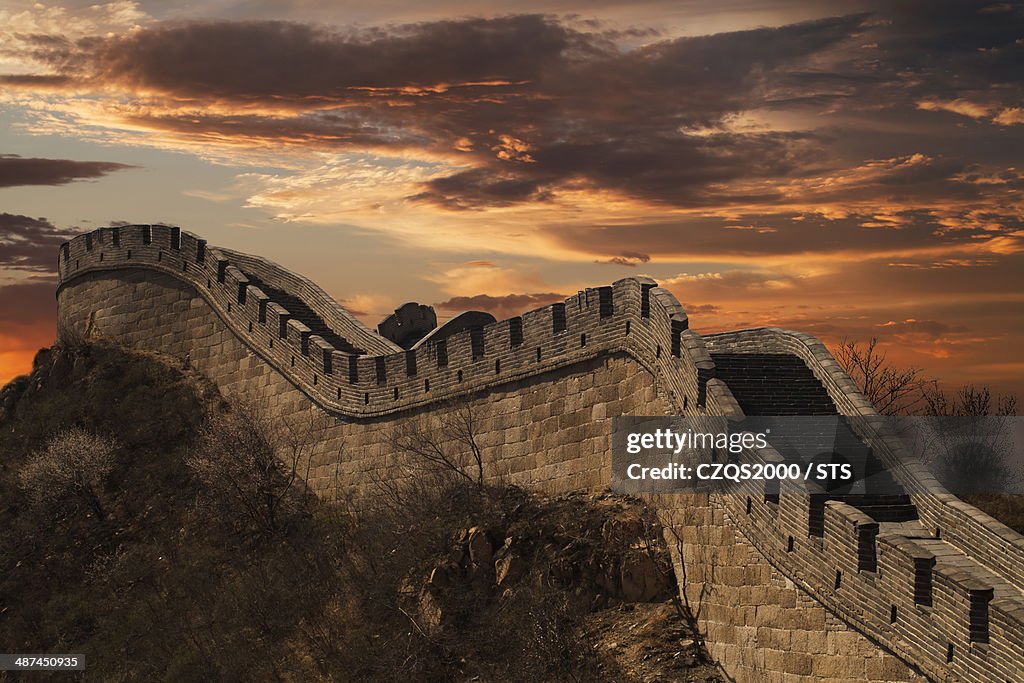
(302, 312)
(781, 385)
(772, 384)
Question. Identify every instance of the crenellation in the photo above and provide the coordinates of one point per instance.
(278, 317)
(299, 332)
(975, 534)
(323, 353)
(188, 244)
(262, 300)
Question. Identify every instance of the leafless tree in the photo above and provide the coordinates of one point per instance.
(706, 566)
(446, 441)
(893, 390)
(255, 460)
(74, 463)
(969, 440)
(963, 434)
(968, 401)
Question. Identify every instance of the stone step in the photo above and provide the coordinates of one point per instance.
(300, 311)
(782, 384)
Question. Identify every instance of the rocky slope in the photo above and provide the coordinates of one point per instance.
(455, 583)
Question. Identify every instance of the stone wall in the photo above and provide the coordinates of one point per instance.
(543, 388)
(551, 429)
(760, 624)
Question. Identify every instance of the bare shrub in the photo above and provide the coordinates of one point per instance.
(70, 337)
(968, 401)
(893, 390)
(74, 464)
(446, 442)
(255, 462)
(426, 610)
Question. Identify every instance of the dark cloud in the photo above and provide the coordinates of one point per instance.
(249, 61)
(532, 106)
(481, 188)
(535, 105)
(23, 80)
(792, 233)
(16, 170)
(500, 307)
(954, 44)
(29, 243)
(632, 122)
(683, 171)
(914, 51)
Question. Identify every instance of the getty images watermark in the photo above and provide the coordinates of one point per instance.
(834, 454)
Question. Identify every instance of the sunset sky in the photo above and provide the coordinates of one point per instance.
(849, 169)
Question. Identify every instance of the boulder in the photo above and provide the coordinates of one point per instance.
(481, 552)
(509, 569)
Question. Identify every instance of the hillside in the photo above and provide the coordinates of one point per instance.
(162, 578)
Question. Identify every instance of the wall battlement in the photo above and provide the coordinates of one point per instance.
(939, 596)
(636, 315)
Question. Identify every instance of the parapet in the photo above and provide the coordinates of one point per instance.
(475, 352)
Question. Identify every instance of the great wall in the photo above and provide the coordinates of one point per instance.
(785, 584)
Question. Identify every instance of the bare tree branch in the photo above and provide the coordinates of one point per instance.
(892, 390)
(968, 401)
(445, 442)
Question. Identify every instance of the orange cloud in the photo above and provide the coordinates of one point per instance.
(1010, 116)
(963, 107)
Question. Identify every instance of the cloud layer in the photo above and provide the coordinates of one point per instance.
(29, 244)
(574, 123)
(16, 170)
(500, 307)
(852, 175)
